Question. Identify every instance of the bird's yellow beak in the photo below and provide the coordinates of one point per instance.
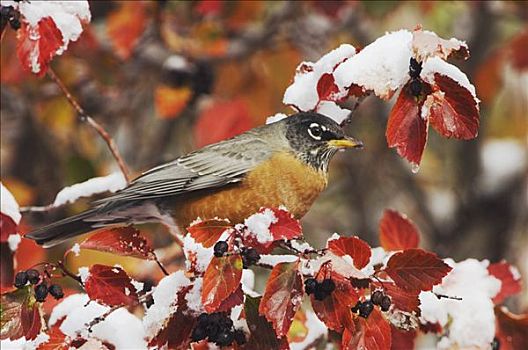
(347, 142)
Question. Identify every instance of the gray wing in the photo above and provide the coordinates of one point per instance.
(211, 167)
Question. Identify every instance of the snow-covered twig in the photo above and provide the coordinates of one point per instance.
(84, 117)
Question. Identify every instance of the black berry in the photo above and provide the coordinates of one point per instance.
(33, 276)
(220, 248)
(495, 344)
(56, 291)
(250, 256)
(240, 336)
(365, 308)
(376, 297)
(14, 23)
(320, 294)
(415, 68)
(415, 87)
(225, 338)
(328, 285)
(355, 308)
(21, 279)
(198, 334)
(41, 291)
(310, 285)
(385, 303)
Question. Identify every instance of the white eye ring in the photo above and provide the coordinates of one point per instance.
(314, 126)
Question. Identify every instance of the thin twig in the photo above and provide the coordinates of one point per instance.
(85, 118)
(440, 296)
(161, 266)
(68, 273)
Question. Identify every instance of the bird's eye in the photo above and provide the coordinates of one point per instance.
(315, 131)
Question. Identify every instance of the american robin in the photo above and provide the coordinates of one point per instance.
(283, 163)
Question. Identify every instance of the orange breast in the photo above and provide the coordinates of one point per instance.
(282, 180)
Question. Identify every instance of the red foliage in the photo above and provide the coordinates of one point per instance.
(209, 231)
(7, 227)
(511, 329)
(397, 232)
(286, 227)
(234, 116)
(110, 285)
(282, 297)
(37, 45)
(354, 247)
(125, 25)
(326, 87)
(406, 129)
(20, 315)
(221, 279)
(402, 340)
(373, 333)
(510, 284)
(416, 270)
(209, 7)
(236, 298)
(401, 299)
(262, 336)
(124, 241)
(57, 340)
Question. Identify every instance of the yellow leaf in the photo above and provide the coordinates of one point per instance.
(170, 101)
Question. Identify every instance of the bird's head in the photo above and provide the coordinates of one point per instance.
(316, 138)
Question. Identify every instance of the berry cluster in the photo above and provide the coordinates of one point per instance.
(364, 308)
(320, 290)
(250, 256)
(415, 68)
(41, 289)
(217, 328)
(220, 248)
(10, 15)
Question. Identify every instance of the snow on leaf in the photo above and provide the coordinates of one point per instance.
(20, 315)
(282, 296)
(416, 269)
(209, 231)
(110, 285)
(56, 341)
(125, 25)
(124, 241)
(262, 336)
(397, 231)
(286, 226)
(406, 129)
(221, 278)
(356, 248)
(509, 277)
(112, 182)
(427, 44)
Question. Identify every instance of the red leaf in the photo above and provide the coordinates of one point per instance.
(416, 269)
(373, 333)
(401, 299)
(20, 316)
(124, 241)
(354, 247)
(221, 278)
(326, 87)
(222, 120)
(511, 329)
(236, 298)
(406, 129)
(334, 310)
(286, 227)
(282, 297)
(510, 281)
(124, 27)
(262, 336)
(402, 340)
(57, 340)
(110, 285)
(454, 110)
(7, 227)
(397, 232)
(208, 232)
(37, 45)
(209, 7)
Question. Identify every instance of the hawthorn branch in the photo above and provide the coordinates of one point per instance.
(85, 118)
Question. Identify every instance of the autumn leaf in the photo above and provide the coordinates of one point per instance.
(286, 227)
(124, 241)
(354, 247)
(510, 280)
(262, 336)
(170, 101)
(326, 87)
(37, 45)
(236, 298)
(125, 25)
(209, 231)
(402, 340)
(221, 278)
(401, 299)
(282, 296)
(110, 285)
(406, 129)
(397, 232)
(56, 341)
(416, 270)
(511, 329)
(20, 315)
(298, 329)
(372, 333)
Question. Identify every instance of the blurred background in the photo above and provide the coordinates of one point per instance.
(167, 77)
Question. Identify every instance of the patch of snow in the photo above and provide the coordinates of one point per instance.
(272, 260)
(437, 65)
(275, 118)
(316, 329)
(501, 160)
(194, 297)
(258, 225)
(165, 298)
(23, 343)
(333, 111)
(248, 283)
(70, 194)
(76, 249)
(378, 257)
(197, 256)
(301, 246)
(138, 285)
(469, 322)
(381, 67)
(303, 92)
(84, 273)
(8, 204)
(13, 241)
